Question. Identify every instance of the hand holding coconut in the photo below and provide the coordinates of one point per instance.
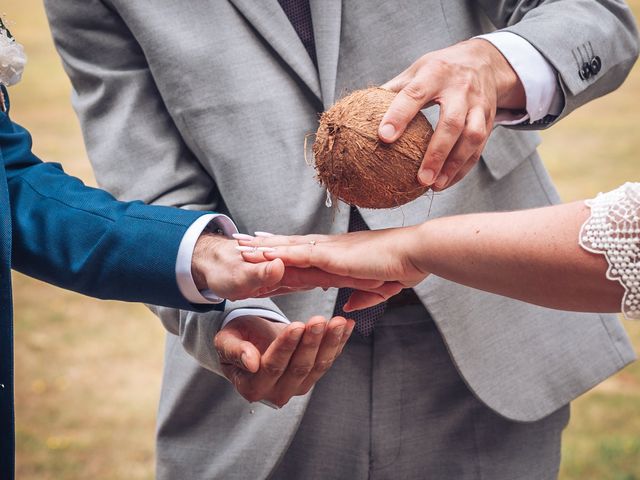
(469, 81)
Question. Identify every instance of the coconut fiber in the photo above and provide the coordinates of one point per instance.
(358, 168)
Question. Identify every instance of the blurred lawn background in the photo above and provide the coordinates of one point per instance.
(88, 372)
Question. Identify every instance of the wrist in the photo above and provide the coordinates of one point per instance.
(205, 249)
(510, 93)
(416, 246)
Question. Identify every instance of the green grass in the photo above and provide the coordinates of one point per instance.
(88, 372)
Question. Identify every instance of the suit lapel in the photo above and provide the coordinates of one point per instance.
(327, 19)
(270, 21)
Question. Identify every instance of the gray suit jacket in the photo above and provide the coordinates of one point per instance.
(205, 104)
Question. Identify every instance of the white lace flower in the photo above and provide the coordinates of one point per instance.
(12, 60)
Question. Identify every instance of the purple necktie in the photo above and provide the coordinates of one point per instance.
(365, 319)
(299, 14)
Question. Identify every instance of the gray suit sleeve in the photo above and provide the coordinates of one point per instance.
(136, 149)
(569, 33)
(196, 331)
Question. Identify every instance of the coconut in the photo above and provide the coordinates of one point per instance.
(356, 166)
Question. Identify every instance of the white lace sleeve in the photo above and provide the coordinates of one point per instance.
(613, 229)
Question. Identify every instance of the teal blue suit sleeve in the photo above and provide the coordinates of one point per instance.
(82, 239)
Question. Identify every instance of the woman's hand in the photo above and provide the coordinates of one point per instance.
(383, 255)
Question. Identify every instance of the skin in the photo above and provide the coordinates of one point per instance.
(273, 361)
(261, 358)
(530, 255)
(469, 81)
(268, 360)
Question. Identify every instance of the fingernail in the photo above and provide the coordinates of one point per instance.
(442, 180)
(247, 249)
(427, 176)
(338, 331)
(387, 131)
(296, 333)
(317, 329)
(242, 236)
(243, 359)
(266, 249)
(263, 234)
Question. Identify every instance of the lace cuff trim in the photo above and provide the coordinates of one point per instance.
(613, 229)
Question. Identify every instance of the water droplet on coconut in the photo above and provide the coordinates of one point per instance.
(328, 202)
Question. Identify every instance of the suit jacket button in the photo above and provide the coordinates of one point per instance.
(595, 65)
(585, 71)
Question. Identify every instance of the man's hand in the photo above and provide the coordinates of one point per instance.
(470, 81)
(218, 266)
(273, 361)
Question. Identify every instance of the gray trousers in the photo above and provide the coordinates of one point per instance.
(394, 407)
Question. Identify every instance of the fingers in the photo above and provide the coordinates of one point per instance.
(303, 361)
(335, 337)
(277, 240)
(272, 365)
(471, 138)
(267, 275)
(296, 359)
(234, 350)
(398, 83)
(346, 334)
(453, 113)
(406, 105)
(314, 277)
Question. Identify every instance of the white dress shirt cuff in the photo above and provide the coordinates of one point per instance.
(186, 284)
(256, 312)
(538, 77)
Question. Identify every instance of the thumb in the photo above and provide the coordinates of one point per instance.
(404, 107)
(234, 350)
(360, 299)
(396, 84)
(268, 275)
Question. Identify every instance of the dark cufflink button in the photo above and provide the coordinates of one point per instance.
(595, 65)
(585, 71)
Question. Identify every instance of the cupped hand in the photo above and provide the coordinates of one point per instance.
(272, 361)
(469, 81)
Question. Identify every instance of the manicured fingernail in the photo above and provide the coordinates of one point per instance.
(387, 131)
(296, 333)
(247, 249)
(317, 329)
(243, 359)
(427, 176)
(442, 180)
(242, 236)
(263, 234)
(266, 249)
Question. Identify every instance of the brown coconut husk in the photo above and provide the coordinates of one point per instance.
(356, 166)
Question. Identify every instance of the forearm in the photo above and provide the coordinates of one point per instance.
(531, 255)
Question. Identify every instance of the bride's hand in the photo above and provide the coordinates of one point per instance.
(384, 255)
